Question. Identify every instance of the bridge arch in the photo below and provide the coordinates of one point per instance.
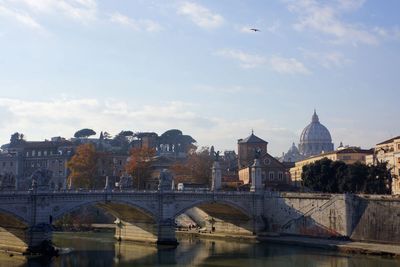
(20, 218)
(219, 216)
(13, 231)
(112, 207)
(200, 203)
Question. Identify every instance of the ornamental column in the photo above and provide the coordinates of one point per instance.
(256, 178)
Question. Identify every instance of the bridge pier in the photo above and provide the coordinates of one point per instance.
(39, 239)
(166, 233)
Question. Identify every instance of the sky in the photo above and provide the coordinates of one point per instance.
(147, 65)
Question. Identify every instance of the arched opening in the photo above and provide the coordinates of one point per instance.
(13, 233)
(216, 217)
(130, 222)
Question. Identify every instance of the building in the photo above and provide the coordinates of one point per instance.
(315, 138)
(21, 158)
(110, 165)
(273, 172)
(292, 155)
(348, 155)
(389, 151)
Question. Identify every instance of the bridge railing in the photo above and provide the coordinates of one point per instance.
(123, 191)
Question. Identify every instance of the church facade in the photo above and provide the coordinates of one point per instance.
(274, 173)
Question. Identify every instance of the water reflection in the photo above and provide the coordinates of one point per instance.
(100, 249)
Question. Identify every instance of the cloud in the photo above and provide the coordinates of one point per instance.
(325, 18)
(21, 17)
(80, 10)
(39, 120)
(288, 65)
(327, 59)
(276, 63)
(387, 34)
(227, 90)
(200, 15)
(136, 25)
(246, 60)
(350, 5)
(65, 116)
(28, 11)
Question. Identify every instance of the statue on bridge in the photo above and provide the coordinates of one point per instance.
(41, 179)
(216, 156)
(166, 181)
(125, 182)
(7, 182)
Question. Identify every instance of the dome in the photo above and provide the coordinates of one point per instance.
(292, 155)
(293, 149)
(315, 138)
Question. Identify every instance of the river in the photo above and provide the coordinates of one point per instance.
(100, 249)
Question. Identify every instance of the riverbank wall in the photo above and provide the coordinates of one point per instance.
(366, 218)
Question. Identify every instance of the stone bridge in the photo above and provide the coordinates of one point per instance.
(26, 217)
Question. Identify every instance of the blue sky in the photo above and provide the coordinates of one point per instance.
(147, 65)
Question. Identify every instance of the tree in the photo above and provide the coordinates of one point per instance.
(320, 176)
(126, 133)
(84, 133)
(139, 165)
(16, 138)
(337, 177)
(106, 136)
(196, 169)
(379, 180)
(122, 140)
(355, 178)
(83, 167)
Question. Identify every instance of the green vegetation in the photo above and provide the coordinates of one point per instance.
(330, 176)
(84, 133)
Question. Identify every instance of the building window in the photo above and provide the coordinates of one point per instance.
(33, 153)
(11, 164)
(39, 153)
(45, 153)
(271, 176)
(27, 153)
(280, 176)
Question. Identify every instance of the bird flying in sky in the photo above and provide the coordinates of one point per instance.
(255, 30)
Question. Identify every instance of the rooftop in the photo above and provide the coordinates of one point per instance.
(389, 141)
(252, 139)
(347, 150)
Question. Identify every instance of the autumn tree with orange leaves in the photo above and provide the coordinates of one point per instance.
(83, 167)
(139, 165)
(196, 169)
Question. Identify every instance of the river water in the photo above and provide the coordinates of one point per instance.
(100, 249)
